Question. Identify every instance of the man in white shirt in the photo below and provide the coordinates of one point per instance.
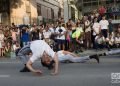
(60, 31)
(38, 48)
(51, 28)
(47, 33)
(96, 30)
(104, 26)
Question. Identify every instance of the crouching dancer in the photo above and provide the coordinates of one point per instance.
(37, 49)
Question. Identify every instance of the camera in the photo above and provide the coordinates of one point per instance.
(60, 30)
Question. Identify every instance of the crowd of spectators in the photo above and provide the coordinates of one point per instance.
(93, 31)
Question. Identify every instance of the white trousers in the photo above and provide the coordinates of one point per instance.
(113, 52)
(73, 59)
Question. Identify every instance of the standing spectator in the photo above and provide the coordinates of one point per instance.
(13, 25)
(110, 27)
(1, 43)
(96, 30)
(61, 20)
(104, 26)
(87, 29)
(46, 35)
(51, 28)
(77, 38)
(41, 34)
(25, 37)
(35, 34)
(14, 35)
(7, 34)
(60, 31)
(69, 25)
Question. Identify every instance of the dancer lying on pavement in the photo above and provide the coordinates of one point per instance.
(66, 56)
(111, 52)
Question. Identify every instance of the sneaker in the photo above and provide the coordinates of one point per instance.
(96, 57)
(25, 69)
(103, 54)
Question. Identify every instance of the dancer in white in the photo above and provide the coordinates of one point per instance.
(66, 56)
(112, 52)
(37, 49)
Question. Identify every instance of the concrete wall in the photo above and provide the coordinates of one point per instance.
(46, 5)
(20, 15)
(68, 10)
(26, 13)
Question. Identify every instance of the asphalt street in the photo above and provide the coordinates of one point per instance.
(71, 74)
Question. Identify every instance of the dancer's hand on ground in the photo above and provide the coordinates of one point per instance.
(38, 71)
(54, 73)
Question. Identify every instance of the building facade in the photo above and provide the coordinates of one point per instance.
(112, 6)
(30, 11)
(70, 10)
(49, 10)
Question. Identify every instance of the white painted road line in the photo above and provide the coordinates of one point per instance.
(4, 76)
(9, 62)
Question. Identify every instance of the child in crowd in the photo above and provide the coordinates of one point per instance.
(100, 41)
(1, 43)
(110, 41)
(16, 46)
(117, 40)
(7, 49)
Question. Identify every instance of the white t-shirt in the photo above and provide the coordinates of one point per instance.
(46, 34)
(38, 47)
(96, 27)
(117, 39)
(51, 30)
(15, 47)
(61, 56)
(87, 23)
(104, 24)
(63, 31)
(99, 40)
(1, 37)
(40, 36)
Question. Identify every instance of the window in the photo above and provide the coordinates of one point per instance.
(39, 10)
(52, 13)
(87, 4)
(95, 3)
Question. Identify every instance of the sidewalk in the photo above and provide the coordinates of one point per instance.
(92, 51)
(84, 53)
